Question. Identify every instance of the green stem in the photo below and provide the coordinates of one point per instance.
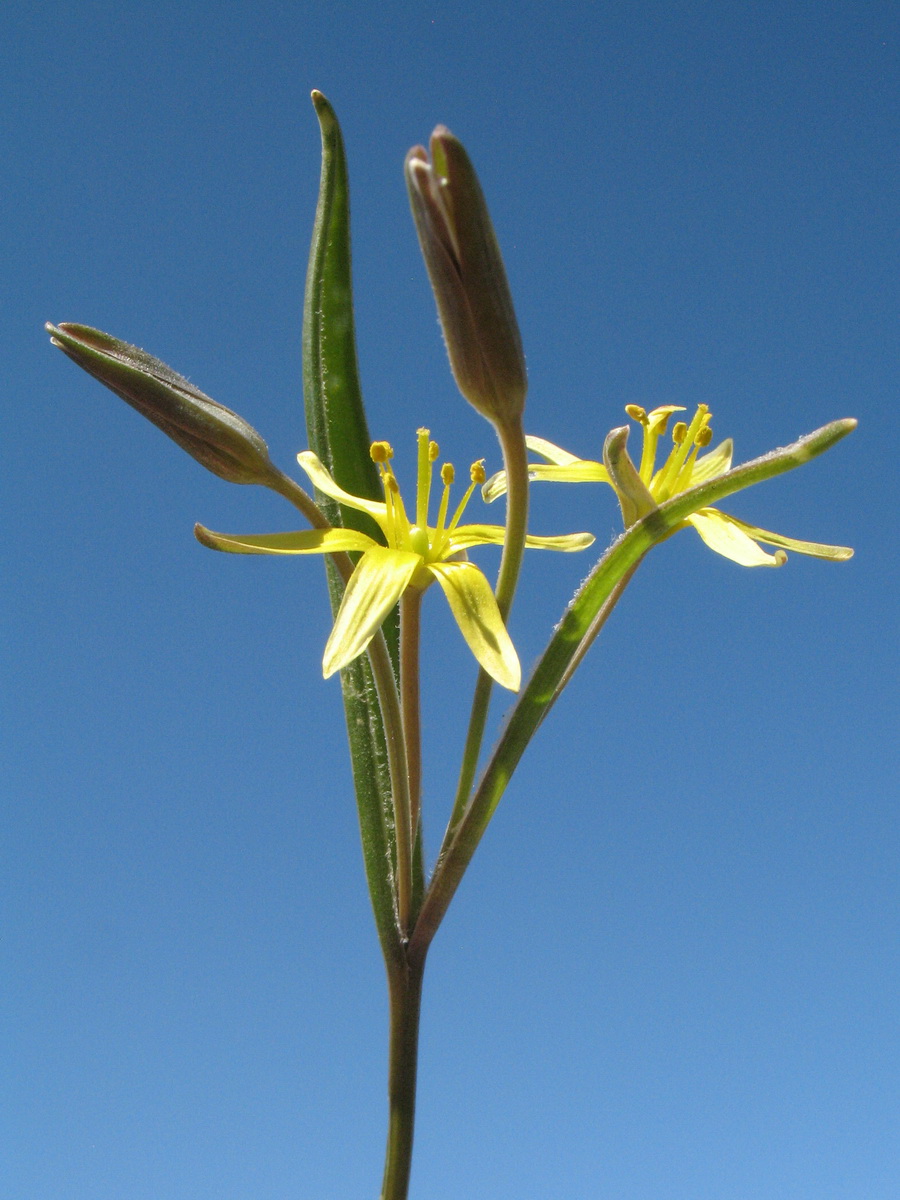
(515, 461)
(410, 613)
(386, 684)
(405, 990)
(383, 672)
(292, 491)
(593, 630)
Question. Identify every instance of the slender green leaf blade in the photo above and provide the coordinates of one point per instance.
(338, 434)
(335, 415)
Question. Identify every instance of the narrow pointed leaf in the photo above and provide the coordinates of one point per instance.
(335, 416)
(339, 436)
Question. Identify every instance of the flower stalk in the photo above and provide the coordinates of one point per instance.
(405, 996)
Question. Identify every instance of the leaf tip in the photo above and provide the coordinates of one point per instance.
(324, 110)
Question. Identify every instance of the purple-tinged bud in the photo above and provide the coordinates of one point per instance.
(468, 277)
(215, 436)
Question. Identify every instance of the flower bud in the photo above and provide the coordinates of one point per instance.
(468, 278)
(215, 436)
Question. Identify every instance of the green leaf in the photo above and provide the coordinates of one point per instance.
(335, 416)
(339, 435)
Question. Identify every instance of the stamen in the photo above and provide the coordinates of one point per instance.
(683, 479)
(423, 477)
(477, 473)
(702, 438)
(433, 451)
(637, 413)
(653, 431)
(391, 491)
(447, 476)
(381, 452)
(401, 520)
(465, 500)
(683, 436)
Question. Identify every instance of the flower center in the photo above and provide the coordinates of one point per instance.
(431, 542)
(675, 474)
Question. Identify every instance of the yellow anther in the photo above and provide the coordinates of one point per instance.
(433, 451)
(447, 474)
(679, 432)
(636, 413)
(476, 471)
(704, 436)
(381, 452)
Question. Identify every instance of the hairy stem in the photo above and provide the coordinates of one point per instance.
(410, 613)
(515, 460)
(391, 712)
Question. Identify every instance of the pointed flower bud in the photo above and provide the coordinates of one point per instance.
(468, 278)
(215, 436)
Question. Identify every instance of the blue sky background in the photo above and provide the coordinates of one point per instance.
(672, 971)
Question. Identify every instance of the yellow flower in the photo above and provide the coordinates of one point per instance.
(684, 468)
(415, 555)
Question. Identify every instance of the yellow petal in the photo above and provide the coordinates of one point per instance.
(307, 541)
(321, 479)
(478, 617)
(714, 464)
(722, 534)
(553, 454)
(494, 488)
(466, 536)
(564, 542)
(582, 470)
(579, 470)
(814, 549)
(380, 578)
